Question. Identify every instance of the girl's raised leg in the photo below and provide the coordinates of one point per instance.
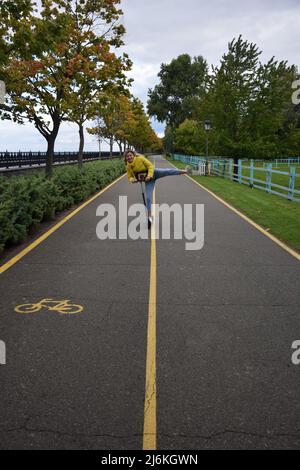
(162, 172)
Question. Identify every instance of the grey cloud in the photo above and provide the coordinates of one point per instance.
(159, 30)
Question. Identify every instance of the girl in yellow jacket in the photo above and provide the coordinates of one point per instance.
(138, 165)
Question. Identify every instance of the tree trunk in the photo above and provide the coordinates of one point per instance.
(120, 148)
(81, 145)
(50, 155)
(51, 143)
(111, 148)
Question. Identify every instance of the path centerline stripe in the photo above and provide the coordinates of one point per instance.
(45, 235)
(149, 434)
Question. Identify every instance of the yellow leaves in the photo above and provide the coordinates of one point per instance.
(108, 57)
(21, 102)
(77, 64)
(93, 130)
(61, 47)
(34, 66)
(125, 119)
(24, 69)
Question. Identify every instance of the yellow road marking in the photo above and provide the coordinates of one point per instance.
(251, 222)
(43, 237)
(60, 306)
(149, 436)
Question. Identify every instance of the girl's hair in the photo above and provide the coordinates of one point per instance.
(126, 153)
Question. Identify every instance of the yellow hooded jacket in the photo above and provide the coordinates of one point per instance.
(138, 165)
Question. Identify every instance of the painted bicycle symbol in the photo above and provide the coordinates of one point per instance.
(60, 306)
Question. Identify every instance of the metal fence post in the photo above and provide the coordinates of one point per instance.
(230, 168)
(269, 177)
(292, 182)
(224, 168)
(240, 171)
(251, 176)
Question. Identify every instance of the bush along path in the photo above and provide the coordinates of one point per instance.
(26, 201)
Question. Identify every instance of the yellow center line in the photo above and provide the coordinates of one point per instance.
(149, 435)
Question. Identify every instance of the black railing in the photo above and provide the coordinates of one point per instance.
(15, 160)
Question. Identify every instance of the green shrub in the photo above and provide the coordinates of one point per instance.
(26, 201)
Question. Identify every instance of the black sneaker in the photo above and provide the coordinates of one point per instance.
(149, 222)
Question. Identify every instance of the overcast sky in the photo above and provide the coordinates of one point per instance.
(160, 30)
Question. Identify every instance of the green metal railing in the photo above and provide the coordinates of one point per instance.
(255, 173)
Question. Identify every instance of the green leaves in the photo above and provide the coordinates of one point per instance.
(249, 103)
(247, 99)
(190, 138)
(183, 83)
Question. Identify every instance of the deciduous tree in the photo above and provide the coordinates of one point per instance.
(43, 75)
(103, 71)
(183, 84)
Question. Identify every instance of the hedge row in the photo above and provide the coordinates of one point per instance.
(26, 201)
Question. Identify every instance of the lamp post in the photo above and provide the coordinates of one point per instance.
(207, 127)
(99, 135)
(99, 143)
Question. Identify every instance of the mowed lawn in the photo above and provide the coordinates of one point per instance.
(274, 213)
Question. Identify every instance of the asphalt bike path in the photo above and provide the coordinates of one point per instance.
(76, 380)
(227, 317)
(168, 348)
